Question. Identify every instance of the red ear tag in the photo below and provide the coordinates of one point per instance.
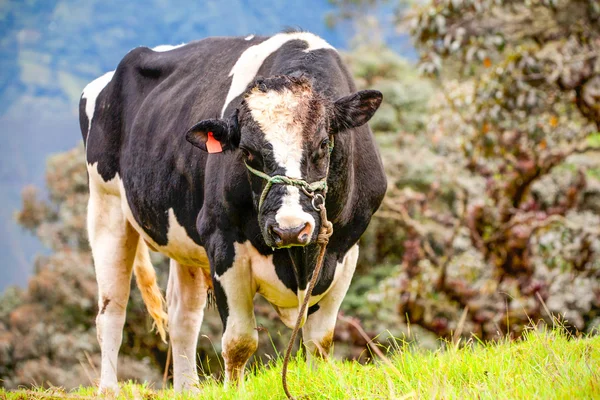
(212, 144)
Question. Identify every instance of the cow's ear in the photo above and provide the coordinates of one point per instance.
(355, 110)
(215, 135)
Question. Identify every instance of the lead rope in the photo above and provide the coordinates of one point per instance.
(322, 239)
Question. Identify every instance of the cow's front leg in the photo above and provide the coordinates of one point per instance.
(234, 291)
(186, 299)
(317, 333)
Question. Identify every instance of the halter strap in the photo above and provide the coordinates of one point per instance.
(308, 188)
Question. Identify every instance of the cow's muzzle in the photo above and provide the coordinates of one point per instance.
(297, 236)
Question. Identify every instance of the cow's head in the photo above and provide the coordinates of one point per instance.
(283, 127)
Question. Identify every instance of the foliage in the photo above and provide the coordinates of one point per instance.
(497, 195)
(530, 57)
(400, 118)
(566, 366)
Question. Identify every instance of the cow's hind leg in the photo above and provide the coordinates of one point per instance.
(317, 333)
(113, 241)
(186, 299)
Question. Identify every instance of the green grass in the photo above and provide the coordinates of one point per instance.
(543, 365)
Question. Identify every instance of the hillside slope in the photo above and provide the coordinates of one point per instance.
(542, 366)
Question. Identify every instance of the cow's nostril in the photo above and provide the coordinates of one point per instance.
(276, 234)
(303, 234)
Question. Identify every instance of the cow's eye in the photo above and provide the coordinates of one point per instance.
(325, 144)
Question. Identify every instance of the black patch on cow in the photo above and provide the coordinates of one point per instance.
(222, 253)
(313, 309)
(83, 119)
(221, 299)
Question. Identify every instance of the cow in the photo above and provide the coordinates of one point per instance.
(182, 144)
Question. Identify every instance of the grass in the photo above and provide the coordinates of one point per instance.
(543, 365)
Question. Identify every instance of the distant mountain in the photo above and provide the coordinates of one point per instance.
(50, 49)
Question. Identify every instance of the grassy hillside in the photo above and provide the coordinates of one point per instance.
(544, 365)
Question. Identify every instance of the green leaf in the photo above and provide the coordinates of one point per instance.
(594, 139)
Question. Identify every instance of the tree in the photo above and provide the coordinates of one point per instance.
(506, 225)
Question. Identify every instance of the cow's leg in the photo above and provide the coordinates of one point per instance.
(186, 299)
(113, 242)
(317, 333)
(234, 291)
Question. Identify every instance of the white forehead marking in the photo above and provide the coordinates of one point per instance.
(249, 37)
(91, 92)
(280, 116)
(247, 66)
(166, 47)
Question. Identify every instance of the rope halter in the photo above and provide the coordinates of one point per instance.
(309, 189)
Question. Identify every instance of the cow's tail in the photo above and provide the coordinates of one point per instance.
(145, 276)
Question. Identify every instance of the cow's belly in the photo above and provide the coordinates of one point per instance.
(180, 247)
(272, 288)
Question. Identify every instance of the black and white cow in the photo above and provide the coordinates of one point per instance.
(150, 188)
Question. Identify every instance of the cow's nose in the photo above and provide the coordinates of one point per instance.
(298, 236)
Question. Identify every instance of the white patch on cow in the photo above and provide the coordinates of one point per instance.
(108, 187)
(186, 299)
(249, 37)
(91, 92)
(280, 115)
(282, 298)
(167, 47)
(179, 247)
(267, 282)
(247, 66)
(291, 215)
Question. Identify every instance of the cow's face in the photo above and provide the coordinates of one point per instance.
(285, 128)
